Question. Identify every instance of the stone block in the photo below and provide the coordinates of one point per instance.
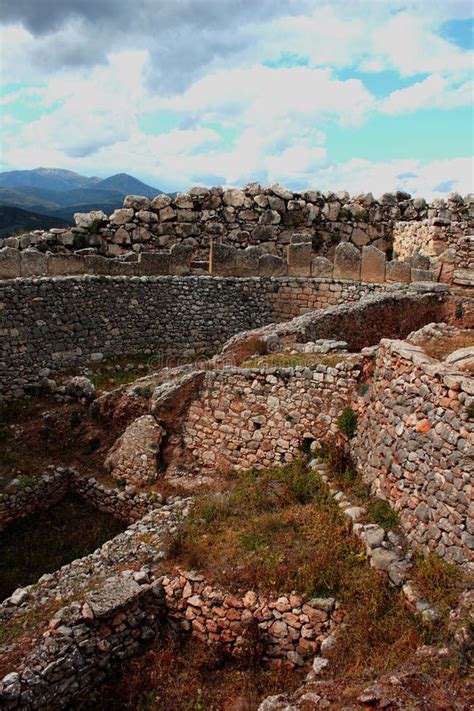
(299, 258)
(86, 219)
(419, 261)
(301, 238)
(223, 260)
(397, 272)
(269, 265)
(373, 265)
(423, 275)
(247, 261)
(33, 263)
(463, 277)
(180, 259)
(321, 268)
(347, 261)
(154, 263)
(95, 264)
(64, 264)
(10, 263)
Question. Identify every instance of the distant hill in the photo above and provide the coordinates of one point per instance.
(14, 220)
(60, 193)
(127, 185)
(48, 178)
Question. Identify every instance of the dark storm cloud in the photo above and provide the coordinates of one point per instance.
(184, 37)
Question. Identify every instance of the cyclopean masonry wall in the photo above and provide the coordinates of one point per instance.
(251, 216)
(70, 320)
(415, 446)
(445, 248)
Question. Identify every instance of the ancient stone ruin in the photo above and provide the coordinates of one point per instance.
(151, 359)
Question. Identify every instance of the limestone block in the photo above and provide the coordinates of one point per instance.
(347, 261)
(33, 263)
(420, 261)
(398, 272)
(180, 259)
(373, 265)
(423, 275)
(321, 268)
(137, 202)
(64, 264)
(247, 262)
(234, 198)
(95, 264)
(121, 236)
(122, 216)
(10, 265)
(223, 260)
(299, 259)
(160, 201)
(269, 265)
(154, 263)
(86, 219)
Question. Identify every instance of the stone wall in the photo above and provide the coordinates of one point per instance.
(414, 445)
(24, 496)
(64, 322)
(246, 418)
(251, 216)
(286, 629)
(71, 319)
(445, 248)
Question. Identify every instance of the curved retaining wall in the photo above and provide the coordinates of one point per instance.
(57, 323)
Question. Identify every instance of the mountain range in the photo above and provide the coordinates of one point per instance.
(57, 193)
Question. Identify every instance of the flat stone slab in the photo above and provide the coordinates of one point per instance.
(116, 594)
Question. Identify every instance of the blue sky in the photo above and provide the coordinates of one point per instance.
(358, 94)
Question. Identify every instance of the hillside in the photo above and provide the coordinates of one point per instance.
(14, 219)
(61, 193)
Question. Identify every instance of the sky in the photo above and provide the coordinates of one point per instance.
(357, 95)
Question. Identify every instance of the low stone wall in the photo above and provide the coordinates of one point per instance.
(286, 629)
(83, 643)
(414, 445)
(245, 417)
(30, 495)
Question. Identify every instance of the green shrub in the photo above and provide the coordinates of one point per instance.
(381, 513)
(347, 422)
(470, 412)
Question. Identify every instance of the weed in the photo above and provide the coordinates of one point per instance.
(26, 481)
(437, 581)
(362, 215)
(93, 227)
(470, 412)
(144, 391)
(347, 422)
(381, 513)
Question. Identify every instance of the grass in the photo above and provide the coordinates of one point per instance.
(185, 675)
(289, 360)
(441, 346)
(341, 468)
(45, 541)
(437, 581)
(347, 422)
(280, 530)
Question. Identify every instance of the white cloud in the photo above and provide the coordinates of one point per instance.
(433, 92)
(409, 44)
